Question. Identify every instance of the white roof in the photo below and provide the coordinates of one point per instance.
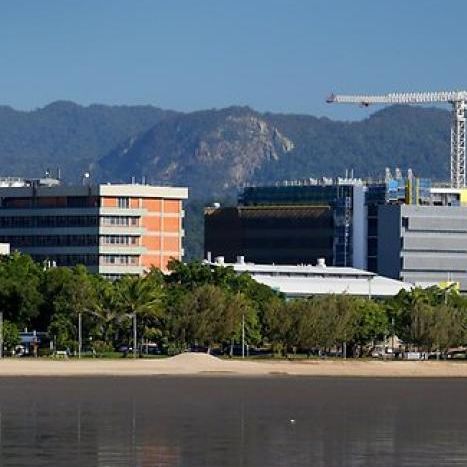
(437, 190)
(298, 270)
(307, 280)
(128, 189)
(303, 287)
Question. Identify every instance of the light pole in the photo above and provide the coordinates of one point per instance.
(243, 336)
(80, 334)
(1, 334)
(370, 278)
(134, 335)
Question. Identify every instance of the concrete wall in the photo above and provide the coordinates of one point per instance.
(359, 228)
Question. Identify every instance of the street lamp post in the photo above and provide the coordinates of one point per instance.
(243, 336)
(1, 334)
(370, 278)
(80, 334)
(134, 335)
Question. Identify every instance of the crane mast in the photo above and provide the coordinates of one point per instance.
(458, 101)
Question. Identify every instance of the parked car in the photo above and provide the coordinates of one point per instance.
(380, 351)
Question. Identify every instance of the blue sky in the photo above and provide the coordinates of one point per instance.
(277, 55)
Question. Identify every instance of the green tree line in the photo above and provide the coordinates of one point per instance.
(197, 304)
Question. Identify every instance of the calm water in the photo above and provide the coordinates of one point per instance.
(180, 421)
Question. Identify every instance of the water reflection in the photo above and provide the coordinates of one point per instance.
(232, 422)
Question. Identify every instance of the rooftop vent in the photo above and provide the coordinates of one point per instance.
(321, 263)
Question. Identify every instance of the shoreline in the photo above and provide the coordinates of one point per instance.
(206, 365)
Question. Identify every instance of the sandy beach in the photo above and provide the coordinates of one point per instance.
(205, 365)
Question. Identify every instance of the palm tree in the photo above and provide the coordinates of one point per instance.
(106, 312)
(139, 296)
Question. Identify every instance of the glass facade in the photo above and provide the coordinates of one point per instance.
(295, 195)
(49, 202)
(337, 196)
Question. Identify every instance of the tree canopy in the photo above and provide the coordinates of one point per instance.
(206, 305)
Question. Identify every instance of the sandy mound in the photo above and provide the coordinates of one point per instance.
(197, 361)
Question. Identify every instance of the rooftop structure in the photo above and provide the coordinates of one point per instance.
(296, 281)
(112, 229)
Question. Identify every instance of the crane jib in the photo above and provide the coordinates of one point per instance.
(458, 101)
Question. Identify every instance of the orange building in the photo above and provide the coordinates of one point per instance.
(111, 229)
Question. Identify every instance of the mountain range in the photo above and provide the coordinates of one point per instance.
(216, 152)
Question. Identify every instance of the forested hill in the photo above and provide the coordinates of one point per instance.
(216, 152)
(67, 135)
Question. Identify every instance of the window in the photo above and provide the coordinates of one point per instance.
(123, 203)
(119, 221)
(119, 240)
(119, 260)
(69, 260)
(47, 221)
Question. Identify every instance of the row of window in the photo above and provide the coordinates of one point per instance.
(59, 202)
(12, 222)
(130, 260)
(9, 222)
(119, 240)
(120, 221)
(89, 260)
(69, 260)
(50, 202)
(112, 277)
(18, 241)
(123, 203)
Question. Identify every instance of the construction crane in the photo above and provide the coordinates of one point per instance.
(458, 101)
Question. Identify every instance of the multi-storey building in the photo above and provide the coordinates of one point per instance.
(424, 245)
(295, 223)
(299, 222)
(325, 208)
(112, 229)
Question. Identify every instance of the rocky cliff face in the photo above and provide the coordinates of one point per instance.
(216, 152)
(209, 151)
